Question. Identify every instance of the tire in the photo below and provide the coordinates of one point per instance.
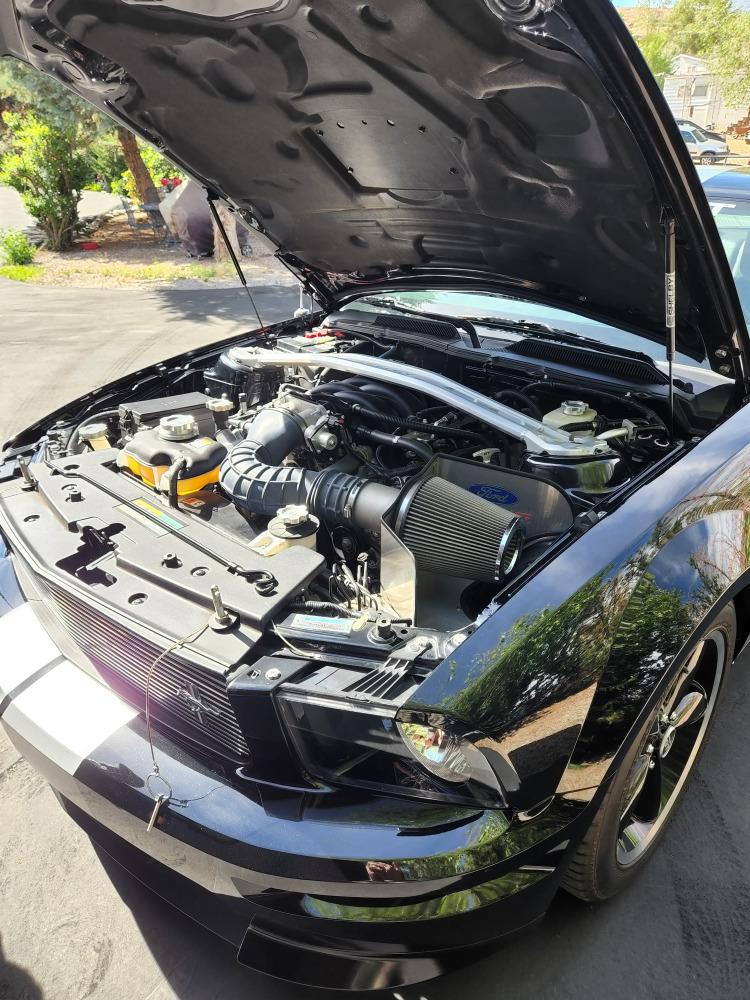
(706, 159)
(619, 841)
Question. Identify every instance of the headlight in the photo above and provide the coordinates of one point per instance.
(413, 754)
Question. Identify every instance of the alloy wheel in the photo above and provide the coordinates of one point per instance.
(670, 750)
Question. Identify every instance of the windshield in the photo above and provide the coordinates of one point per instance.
(493, 306)
(733, 221)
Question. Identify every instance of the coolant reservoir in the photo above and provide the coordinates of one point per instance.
(572, 411)
(293, 525)
(151, 452)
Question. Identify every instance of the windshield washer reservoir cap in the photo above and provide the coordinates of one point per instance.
(178, 427)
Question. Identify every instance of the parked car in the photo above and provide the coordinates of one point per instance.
(703, 149)
(701, 132)
(728, 191)
(359, 635)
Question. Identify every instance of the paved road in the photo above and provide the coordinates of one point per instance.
(73, 926)
(58, 343)
(14, 216)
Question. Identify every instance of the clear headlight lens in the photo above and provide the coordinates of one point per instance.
(439, 750)
(413, 754)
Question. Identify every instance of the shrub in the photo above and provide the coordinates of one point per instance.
(16, 248)
(19, 272)
(47, 165)
(108, 163)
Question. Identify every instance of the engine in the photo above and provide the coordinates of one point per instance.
(424, 496)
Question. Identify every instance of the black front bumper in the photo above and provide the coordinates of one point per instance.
(328, 889)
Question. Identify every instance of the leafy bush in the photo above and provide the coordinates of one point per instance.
(108, 163)
(49, 167)
(16, 248)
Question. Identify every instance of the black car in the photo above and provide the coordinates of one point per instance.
(358, 636)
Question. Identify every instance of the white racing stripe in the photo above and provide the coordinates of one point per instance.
(64, 713)
(26, 648)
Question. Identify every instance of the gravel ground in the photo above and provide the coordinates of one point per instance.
(73, 926)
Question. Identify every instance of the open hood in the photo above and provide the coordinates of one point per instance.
(519, 145)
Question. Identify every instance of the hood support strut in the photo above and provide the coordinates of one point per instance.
(670, 292)
(230, 250)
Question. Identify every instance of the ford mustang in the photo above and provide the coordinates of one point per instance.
(360, 635)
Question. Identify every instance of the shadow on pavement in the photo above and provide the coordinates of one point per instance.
(16, 983)
(274, 302)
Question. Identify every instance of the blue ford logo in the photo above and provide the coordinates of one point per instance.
(495, 494)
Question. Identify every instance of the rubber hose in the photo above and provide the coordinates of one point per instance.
(520, 397)
(418, 448)
(572, 428)
(73, 440)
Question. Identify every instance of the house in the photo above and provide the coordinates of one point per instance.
(693, 92)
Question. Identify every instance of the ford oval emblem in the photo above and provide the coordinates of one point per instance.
(495, 494)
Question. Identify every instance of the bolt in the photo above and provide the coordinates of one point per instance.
(221, 615)
(274, 674)
(29, 483)
(171, 560)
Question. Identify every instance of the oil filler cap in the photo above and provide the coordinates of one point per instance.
(178, 427)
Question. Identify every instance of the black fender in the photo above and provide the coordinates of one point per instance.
(691, 579)
(557, 675)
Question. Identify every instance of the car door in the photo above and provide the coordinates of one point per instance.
(691, 142)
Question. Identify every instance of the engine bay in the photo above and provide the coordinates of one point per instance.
(424, 496)
(340, 505)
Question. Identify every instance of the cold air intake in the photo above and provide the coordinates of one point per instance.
(448, 530)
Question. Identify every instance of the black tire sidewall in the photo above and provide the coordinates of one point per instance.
(609, 877)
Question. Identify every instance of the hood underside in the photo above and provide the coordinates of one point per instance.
(515, 144)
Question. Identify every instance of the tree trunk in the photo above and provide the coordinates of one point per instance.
(143, 181)
(230, 224)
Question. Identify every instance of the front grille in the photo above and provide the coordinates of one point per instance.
(123, 655)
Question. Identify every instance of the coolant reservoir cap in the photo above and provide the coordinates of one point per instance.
(574, 407)
(178, 427)
(93, 430)
(222, 405)
(293, 522)
(293, 513)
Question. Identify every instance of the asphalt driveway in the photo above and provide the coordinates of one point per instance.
(14, 216)
(57, 343)
(73, 926)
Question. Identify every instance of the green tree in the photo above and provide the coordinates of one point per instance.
(657, 51)
(27, 89)
(731, 60)
(698, 27)
(46, 166)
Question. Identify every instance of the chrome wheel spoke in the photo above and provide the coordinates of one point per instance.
(639, 778)
(690, 708)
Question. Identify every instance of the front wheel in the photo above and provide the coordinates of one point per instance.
(653, 776)
(707, 159)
